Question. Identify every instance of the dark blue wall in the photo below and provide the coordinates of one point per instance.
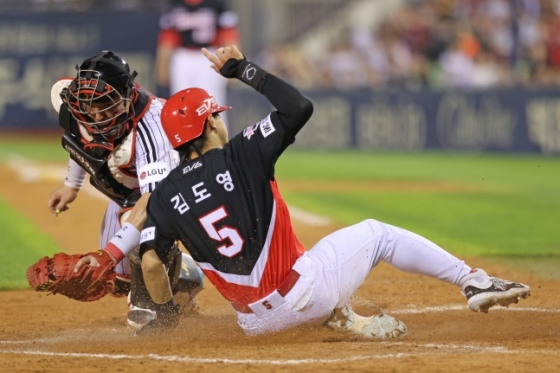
(512, 120)
(36, 49)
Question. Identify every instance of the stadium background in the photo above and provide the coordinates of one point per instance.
(409, 76)
(440, 116)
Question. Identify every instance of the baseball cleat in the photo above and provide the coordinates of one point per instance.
(483, 291)
(139, 317)
(380, 326)
(144, 321)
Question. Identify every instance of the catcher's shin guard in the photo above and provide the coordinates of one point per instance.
(122, 286)
(142, 310)
(184, 276)
(138, 296)
(190, 279)
(187, 281)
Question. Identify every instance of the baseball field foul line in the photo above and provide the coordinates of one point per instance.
(458, 308)
(32, 172)
(435, 349)
(412, 311)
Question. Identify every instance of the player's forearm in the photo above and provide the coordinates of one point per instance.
(293, 108)
(139, 215)
(128, 237)
(155, 277)
(75, 175)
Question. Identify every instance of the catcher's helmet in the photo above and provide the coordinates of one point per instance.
(103, 85)
(184, 115)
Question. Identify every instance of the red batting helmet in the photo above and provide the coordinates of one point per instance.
(183, 116)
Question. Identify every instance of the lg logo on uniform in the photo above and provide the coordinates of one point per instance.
(154, 172)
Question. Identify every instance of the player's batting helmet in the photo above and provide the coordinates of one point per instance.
(103, 85)
(184, 115)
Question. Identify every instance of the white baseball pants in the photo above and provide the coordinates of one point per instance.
(339, 263)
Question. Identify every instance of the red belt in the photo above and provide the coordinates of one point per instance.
(283, 290)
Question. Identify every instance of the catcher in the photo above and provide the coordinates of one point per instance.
(112, 130)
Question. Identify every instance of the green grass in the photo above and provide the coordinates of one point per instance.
(23, 243)
(46, 149)
(510, 208)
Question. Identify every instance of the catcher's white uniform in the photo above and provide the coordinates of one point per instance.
(143, 158)
(150, 157)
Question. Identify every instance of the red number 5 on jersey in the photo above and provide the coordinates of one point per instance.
(222, 234)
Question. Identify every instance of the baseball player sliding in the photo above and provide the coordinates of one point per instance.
(112, 131)
(223, 203)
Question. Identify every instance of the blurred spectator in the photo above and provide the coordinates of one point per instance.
(288, 62)
(457, 67)
(345, 68)
(487, 72)
(467, 42)
(477, 44)
(426, 43)
(552, 36)
(60, 5)
(80, 5)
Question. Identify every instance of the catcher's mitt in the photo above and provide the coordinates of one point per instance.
(56, 275)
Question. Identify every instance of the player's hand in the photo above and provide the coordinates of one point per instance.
(222, 55)
(92, 259)
(60, 199)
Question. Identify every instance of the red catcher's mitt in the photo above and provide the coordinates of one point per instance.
(56, 275)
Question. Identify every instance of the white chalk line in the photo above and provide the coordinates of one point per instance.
(30, 171)
(415, 310)
(435, 349)
(412, 311)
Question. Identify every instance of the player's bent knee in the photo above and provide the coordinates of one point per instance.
(151, 262)
(372, 224)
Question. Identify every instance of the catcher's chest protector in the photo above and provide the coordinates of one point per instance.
(100, 176)
(113, 173)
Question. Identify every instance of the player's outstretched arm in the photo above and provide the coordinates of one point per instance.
(293, 108)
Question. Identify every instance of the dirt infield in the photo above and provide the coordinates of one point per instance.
(40, 333)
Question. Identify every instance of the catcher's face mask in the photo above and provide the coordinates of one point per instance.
(99, 108)
(100, 98)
